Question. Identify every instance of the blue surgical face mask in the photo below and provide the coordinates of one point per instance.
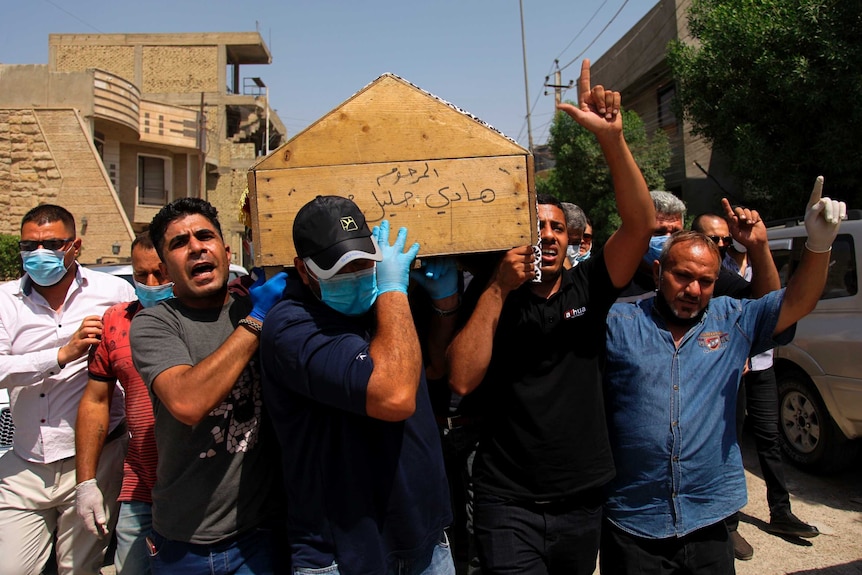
(45, 267)
(352, 294)
(151, 295)
(582, 257)
(656, 243)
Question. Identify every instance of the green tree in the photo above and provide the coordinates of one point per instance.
(10, 258)
(581, 175)
(775, 86)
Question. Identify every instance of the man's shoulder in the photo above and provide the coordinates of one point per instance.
(106, 283)
(123, 311)
(11, 287)
(731, 284)
(631, 309)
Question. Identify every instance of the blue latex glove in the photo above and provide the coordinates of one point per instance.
(439, 277)
(393, 272)
(265, 293)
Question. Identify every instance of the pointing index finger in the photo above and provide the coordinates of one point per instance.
(817, 192)
(728, 210)
(584, 81)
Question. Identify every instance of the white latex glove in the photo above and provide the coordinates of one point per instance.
(822, 230)
(91, 507)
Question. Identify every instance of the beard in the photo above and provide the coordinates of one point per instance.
(667, 312)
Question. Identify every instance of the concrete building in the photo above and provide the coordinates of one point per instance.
(117, 125)
(637, 66)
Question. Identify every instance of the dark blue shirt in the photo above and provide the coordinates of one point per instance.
(361, 492)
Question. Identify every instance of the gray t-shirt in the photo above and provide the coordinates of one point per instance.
(214, 480)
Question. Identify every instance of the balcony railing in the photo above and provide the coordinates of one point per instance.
(116, 99)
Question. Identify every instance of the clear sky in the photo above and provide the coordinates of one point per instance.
(468, 52)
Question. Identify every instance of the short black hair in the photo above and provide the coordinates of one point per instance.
(179, 209)
(49, 213)
(550, 200)
(144, 240)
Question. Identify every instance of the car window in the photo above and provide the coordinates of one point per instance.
(842, 279)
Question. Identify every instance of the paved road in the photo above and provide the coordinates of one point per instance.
(832, 503)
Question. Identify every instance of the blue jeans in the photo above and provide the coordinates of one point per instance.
(437, 562)
(539, 538)
(134, 523)
(247, 554)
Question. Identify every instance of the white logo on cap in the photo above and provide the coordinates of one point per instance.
(348, 224)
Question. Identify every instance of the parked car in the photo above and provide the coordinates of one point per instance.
(125, 271)
(7, 428)
(820, 372)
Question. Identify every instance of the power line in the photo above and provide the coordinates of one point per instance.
(555, 67)
(73, 16)
(581, 31)
(578, 57)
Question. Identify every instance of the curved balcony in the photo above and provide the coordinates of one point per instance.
(116, 99)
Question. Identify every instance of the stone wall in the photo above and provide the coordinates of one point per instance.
(28, 174)
(48, 157)
(119, 60)
(180, 69)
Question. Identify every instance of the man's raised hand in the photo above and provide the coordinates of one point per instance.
(598, 109)
(822, 230)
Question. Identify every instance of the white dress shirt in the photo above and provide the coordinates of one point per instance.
(44, 398)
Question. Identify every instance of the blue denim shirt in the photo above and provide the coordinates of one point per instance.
(672, 412)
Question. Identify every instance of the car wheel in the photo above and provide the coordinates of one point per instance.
(809, 437)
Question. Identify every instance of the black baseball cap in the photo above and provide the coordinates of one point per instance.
(329, 232)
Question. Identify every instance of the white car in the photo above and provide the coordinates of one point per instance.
(820, 373)
(125, 271)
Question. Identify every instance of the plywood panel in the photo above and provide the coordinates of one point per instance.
(450, 206)
(390, 120)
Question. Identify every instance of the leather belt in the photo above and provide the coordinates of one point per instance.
(455, 421)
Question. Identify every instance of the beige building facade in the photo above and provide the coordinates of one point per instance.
(637, 66)
(117, 125)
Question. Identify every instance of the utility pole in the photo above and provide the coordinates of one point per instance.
(558, 87)
(526, 86)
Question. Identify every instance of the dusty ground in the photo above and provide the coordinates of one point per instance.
(832, 503)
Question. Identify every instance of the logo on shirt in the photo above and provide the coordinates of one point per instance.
(713, 340)
(573, 313)
(362, 356)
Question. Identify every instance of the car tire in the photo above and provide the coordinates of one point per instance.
(809, 437)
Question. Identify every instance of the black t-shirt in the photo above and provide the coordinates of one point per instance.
(544, 434)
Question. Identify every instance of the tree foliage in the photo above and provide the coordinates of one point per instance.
(581, 175)
(775, 86)
(10, 258)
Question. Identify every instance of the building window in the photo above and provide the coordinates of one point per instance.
(153, 180)
(666, 117)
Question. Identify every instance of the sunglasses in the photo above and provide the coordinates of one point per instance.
(726, 239)
(587, 236)
(53, 245)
